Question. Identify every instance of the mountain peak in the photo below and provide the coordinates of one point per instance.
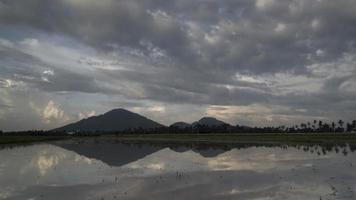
(180, 125)
(210, 121)
(114, 120)
(119, 111)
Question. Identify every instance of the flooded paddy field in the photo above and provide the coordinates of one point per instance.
(107, 169)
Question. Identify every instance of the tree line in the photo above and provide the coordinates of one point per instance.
(316, 126)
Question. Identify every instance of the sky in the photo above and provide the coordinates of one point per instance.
(247, 62)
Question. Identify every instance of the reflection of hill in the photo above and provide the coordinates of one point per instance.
(209, 153)
(113, 154)
(205, 152)
(121, 153)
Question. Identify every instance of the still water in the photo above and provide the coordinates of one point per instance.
(105, 169)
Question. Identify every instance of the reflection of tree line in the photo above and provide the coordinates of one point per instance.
(203, 147)
(119, 153)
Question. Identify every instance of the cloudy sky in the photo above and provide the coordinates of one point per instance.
(249, 62)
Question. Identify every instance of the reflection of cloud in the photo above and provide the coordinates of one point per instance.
(150, 166)
(156, 166)
(169, 161)
(86, 160)
(251, 173)
(227, 163)
(252, 159)
(46, 161)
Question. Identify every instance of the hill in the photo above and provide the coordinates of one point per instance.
(181, 125)
(114, 120)
(209, 121)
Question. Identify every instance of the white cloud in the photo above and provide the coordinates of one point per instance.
(315, 24)
(6, 43)
(261, 4)
(84, 115)
(320, 53)
(7, 83)
(248, 78)
(48, 72)
(52, 112)
(32, 42)
(157, 109)
(280, 27)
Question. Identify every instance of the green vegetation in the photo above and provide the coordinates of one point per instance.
(21, 139)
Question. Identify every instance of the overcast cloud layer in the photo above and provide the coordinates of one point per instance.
(263, 62)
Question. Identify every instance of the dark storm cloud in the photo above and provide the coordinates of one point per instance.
(102, 25)
(261, 36)
(298, 54)
(27, 69)
(210, 89)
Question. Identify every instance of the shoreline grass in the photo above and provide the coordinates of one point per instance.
(20, 139)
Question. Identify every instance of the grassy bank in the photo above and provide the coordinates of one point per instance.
(28, 139)
(245, 138)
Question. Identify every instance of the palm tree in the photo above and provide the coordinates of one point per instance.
(348, 127)
(320, 125)
(341, 123)
(333, 126)
(314, 124)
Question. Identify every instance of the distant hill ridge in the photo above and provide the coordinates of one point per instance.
(209, 121)
(121, 119)
(180, 125)
(205, 121)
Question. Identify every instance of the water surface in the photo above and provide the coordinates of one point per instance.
(104, 169)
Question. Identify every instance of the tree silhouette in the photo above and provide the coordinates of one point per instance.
(320, 125)
(341, 123)
(333, 126)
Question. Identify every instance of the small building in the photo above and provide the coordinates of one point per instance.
(70, 133)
